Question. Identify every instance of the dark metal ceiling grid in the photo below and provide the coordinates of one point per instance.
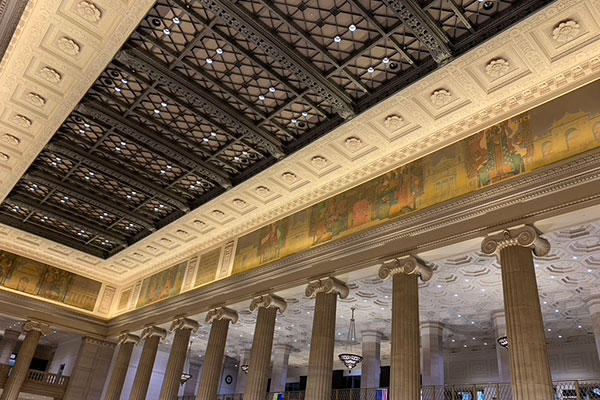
(206, 93)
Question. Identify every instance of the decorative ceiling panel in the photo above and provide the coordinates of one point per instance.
(207, 93)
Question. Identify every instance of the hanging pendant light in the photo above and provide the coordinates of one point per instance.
(349, 358)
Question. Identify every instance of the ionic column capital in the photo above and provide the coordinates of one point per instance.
(151, 331)
(29, 326)
(523, 236)
(221, 313)
(268, 301)
(184, 323)
(128, 338)
(327, 285)
(409, 265)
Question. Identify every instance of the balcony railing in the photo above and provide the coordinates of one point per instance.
(47, 378)
(563, 390)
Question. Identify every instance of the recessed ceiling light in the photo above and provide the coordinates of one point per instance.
(337, 39)
(261, 97)
(213, 134)
(163, 104)
(167, 31)
(352, 28)
(219, 51)
(156, 111)
(272, 89)
(205, 139)
(209, 61)
(386, 60)
(118, 89)
(125, 81)
(370, 70)
(176, 20)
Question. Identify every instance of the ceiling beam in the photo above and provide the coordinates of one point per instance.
(100, 201)
(154, 141)
(279, 50)
(121, 174)
(201, 98)
(461, 15)
(423, 27)
(59, 214)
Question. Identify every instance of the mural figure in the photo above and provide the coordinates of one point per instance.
(272, 240)
(55, 284)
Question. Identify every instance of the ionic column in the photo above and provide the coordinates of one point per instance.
(320, 361)
(7, 346)
(502, 353)
(210, 381)
(119, 372)
(530, 369)
(151, 335)
(262, 344)
(183, 328)
(242, 377)
(371, 363)
(405, 358)
(281, 358)
(33, 333)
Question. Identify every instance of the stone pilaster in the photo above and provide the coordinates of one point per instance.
(242, 377)
(212, 369)
(151, 335)
(7, 346)
(320, 361)
(183, 328)
(262, 344)
(33, 333)
(281, 358)
(405, 358)
(115, 386)
(530, 368)
(502, 353)
(371, 363)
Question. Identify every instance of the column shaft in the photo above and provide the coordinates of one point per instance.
(212, 369)
(115, 386)
(531, 377)
(144, 369)
(172, 379)
(405, 360)
(281, 358)
(320, 362)
(260, 361)
(19, 372)
(7, 346)
(371, 364)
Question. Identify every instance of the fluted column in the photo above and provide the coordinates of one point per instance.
(320, 361)
(119, 372)
(151, 335)
(215, 351)
(281, 358)
(262, 344)
(405, 366)
(183, 328)
(502, 353)
(33, 333)
(7, 346)
(371, 363)
(530, 368)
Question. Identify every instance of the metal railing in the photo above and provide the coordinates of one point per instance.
(563, 390)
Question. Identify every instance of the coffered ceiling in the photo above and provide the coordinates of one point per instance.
(188, 121)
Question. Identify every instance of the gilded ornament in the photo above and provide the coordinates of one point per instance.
(441, 97)
(50, 75)
(68, 46)
(566, 31)
(35, 99)
(498, 67)
(353, 144)
(89, 11)
(22, 121)
(318, 162)
(393, 122)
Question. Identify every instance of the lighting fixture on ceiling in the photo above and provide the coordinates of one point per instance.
(349, 358)
(503, 341)
(245, 368)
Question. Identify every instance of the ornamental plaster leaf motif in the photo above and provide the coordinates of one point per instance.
(239, 203)
(199, 224)
(218, 214)
(10, 139)
(35, 99)
(262, 191)
(498, 67)
(4, 157)
(50, 75)
(566, 31)
(166, 241)
(21, 120)
(393, 122)
(89, 11)
(289, 177)
(318, 162)
(353, 144)
(182, 233)
(441, 97)
(68, 46)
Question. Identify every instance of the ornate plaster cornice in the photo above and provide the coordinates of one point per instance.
(184, 323)
(221, 313)
(128, 338)
(405, 265)
(152, 330)
(327, 285)
(268, 301)
(523, 236)
(29, 326)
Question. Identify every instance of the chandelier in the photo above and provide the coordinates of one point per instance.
(350, 359)
(503, 341)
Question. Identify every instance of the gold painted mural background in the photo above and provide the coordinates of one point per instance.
(554, 131)
(162, 285)
(38, 279)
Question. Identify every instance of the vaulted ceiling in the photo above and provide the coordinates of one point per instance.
(206, 94)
